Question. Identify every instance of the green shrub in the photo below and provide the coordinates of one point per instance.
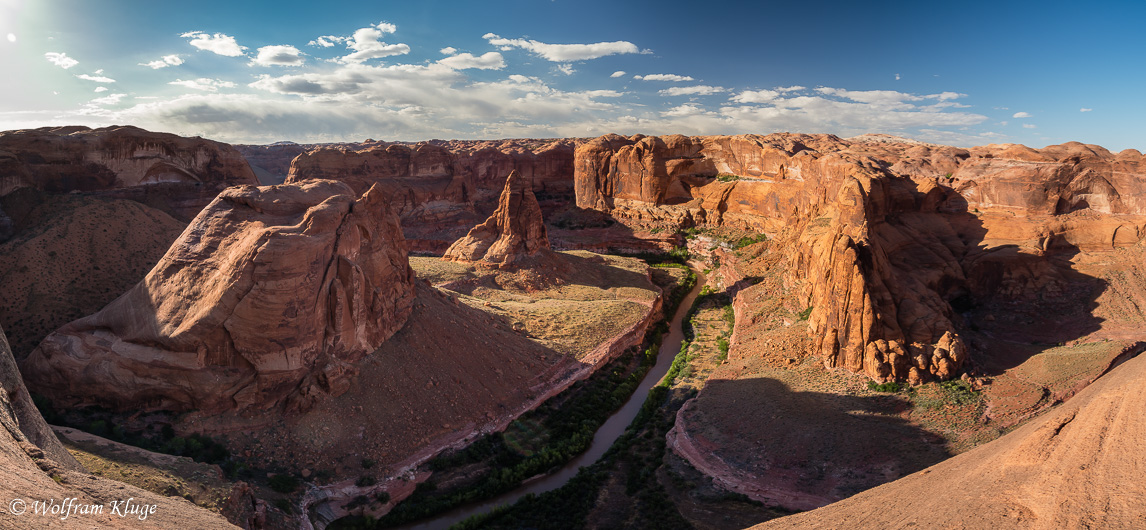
(283, 483)
(367, 463)
(803, 315)
(890, 386)
(365, 481)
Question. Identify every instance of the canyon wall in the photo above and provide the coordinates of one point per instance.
(886, 233)
(268, 298)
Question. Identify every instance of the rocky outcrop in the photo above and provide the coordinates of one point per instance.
(886, 233)
(441, 189)
(1071, 468)
(63, 159)
(514, 235)
(269, 298)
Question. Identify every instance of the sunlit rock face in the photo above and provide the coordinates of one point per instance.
(268, 299)
(513, 236)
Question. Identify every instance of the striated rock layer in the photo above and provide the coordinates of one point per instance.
(514, 234)
(440, 189)
(886, 233)
(1076, 467)
(269, 297)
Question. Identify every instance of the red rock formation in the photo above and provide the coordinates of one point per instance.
(1075, 467)
(270, 296)
(440, 189)
(882, 228)
(514, 235)
(62, 159)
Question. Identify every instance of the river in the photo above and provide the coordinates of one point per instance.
(606, 435)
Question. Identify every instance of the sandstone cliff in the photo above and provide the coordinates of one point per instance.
(440, 189)
(886, 234)
(513, 236)
(269, 297)
(1075, 467)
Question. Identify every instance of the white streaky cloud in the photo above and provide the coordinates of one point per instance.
(566, 68)
(756, 96)
(1084, 109)
(1021, 115)
(96, 78)
(786, 89)
(61, 59)
(603, 93)
(618, 73)
(111, 99)
(1029, 126)
(486, 61)
(688, 109)
(367, 44)
(663, 77)
(99, 89)
(326, 41)
(560, 53)
(448, 50)
(217, 43)
(697, 90)
(203, 83)
(164, 62)
(891, 99)
(278, 55)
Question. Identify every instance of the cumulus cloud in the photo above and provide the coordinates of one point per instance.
(688, 109)
(107, 100)
(98, 77)
(663, 77)
(756, 96)
(1021, 115)
(697, 90)
(280, 55)
(448, 50)
(218, 43)
(164, 62)
(367, 44)
(99, 89)
(203, 83)
(618, 73)
(61, 59)
(566, 68)
(326, 41)
(560, 53)
(1084, 109)
(486, 61)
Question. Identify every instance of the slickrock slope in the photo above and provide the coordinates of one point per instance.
(514, 235)
(62, 159)
(885, 240)
(441, 189)
(34, 466)
(1077, 467)
(268, 298)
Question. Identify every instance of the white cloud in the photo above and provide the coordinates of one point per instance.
(203, 83)
(618, 73)
(327, 41)
(98, 78)
(1084, 109)
(367, 44)
(218, 43)
(107, 100)
(487, 61)
(164, 62)
(756, 96)
(564, 52)
(663, 77)
(448, 50)
(793, 88)
(280, 55)
(11, 37)
(99, 89)
(566, 68)
(897, 77)
(1029, 126)
(698, 90)
(61, 59)
(1021, 115)
(688, 109)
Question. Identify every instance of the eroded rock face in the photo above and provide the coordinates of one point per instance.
(63, 159)
(441, 189)
(886, 233)
(513, 235)
(268, 298)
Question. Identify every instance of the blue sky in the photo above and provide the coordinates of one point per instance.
(955, 73)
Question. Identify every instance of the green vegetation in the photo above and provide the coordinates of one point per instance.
(676, 255)
(890, 386)
(727, 177)
(748, 240)
(283, 483)
(803, 315)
